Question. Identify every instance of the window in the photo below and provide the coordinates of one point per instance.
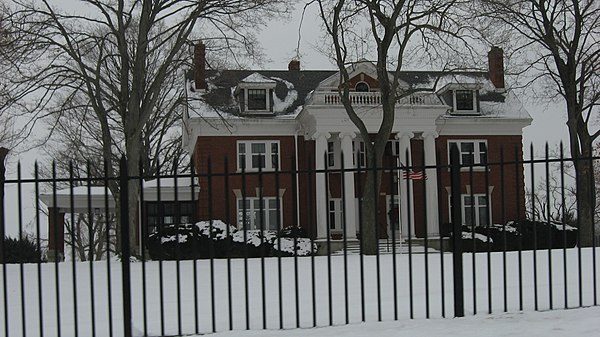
(331, 154)
(359, 159)
(465, 100)
(475, 210)
(257, 213)
(257, 99)
(361, 87)
(258, 155)
(165, 213)
(472, 152)
(336, 213)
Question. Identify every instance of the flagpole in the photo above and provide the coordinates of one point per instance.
(399, 201)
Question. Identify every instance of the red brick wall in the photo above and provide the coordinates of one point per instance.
(225, 178)
(507, 199)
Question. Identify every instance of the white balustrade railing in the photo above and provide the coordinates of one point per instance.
(374, 98)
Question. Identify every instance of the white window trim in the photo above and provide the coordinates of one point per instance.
(333, 158)
(337, 212)
(476, 207)
(476, 152)
(267, 98)
(248, 155)
(359, 150)
(252, 210)
(455, 107)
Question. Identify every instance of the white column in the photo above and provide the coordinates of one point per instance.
(349, 195)
(321, 189)
(405, 193)
(433, 227)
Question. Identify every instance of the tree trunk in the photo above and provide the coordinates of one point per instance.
(586, 197)
(370, 205)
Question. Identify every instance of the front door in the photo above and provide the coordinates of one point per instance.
(393, 216)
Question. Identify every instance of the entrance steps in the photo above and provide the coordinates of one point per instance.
(386, 246)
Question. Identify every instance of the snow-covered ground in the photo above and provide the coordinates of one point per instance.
(384, 297)
(557, 323)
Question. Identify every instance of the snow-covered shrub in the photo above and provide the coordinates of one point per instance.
(174, 242)
(285, 246)
(473, 241)
(21, 251)
(252, 243)
(293, 232)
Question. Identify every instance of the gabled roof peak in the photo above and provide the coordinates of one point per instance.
(257, 78)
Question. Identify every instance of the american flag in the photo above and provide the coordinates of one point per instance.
(414, 175)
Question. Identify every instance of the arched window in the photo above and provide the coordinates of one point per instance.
(361, 87)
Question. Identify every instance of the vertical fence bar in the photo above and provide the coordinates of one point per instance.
(21, 271)
(261, 202)
(441, 241)
(549, 228)
(38, 245)
(564, 225)
(108, 269)
(211, 248)
(73, 256)
(328, 233)
(345, 234)
(228, 235)
(488, 203)
(459, 310)
(125, 248)
(143, 248)
(426, 233)
(410, 234)
(473, 225)
(245, 219)
(279, 251)
(503, 218)
(92, 224)
(3, 153)
(161, 281)
(374, 171)
(361, 243)
(178, 224)
(313, 281)
(593, 197)
(534, 225)
(519, 227)
(295, 237)
(393, 222)
(57, 256)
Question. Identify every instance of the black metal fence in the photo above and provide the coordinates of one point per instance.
(192, 279)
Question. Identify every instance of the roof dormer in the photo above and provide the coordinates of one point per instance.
(463, 98)
(255, 94)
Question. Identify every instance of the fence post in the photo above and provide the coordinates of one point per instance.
(125, 249)
(3, 153)
(459, 307)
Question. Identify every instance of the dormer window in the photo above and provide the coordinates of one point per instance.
(257, 99)
(361, 87)
(464, 100)
(255, 94)
(461, 97)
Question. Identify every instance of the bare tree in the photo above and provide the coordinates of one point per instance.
(396, 30)
(563, 38)
(117, 56)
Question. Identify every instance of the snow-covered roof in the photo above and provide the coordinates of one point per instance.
(257, 78)
(293, 90)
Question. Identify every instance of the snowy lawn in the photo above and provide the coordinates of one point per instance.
(382, 298)
(558, 323)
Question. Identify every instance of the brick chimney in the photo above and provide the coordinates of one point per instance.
(200, 66)
(294, 65)
(496, 66)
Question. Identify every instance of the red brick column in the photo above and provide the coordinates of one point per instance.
(56, 234)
